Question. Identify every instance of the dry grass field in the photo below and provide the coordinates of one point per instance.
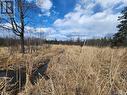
(73, 70)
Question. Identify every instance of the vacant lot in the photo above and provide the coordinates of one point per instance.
(73, 70)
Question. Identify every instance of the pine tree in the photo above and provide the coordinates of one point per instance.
(121, 37)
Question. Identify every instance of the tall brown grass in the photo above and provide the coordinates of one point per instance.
(81, 71)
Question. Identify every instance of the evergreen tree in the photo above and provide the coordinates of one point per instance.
(121, 37)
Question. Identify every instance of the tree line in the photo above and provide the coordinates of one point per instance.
(18, 24)
(38, 42)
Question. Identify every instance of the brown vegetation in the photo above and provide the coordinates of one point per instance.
(75, 70)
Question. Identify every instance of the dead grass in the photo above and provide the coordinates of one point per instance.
(75, 70)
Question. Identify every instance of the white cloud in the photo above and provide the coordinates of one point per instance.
(110, 3)
(39, 31)
(45, 6)
(83, 21)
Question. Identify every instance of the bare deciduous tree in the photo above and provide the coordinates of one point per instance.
(17, 22)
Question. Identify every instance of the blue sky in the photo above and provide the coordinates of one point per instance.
(68, 19)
